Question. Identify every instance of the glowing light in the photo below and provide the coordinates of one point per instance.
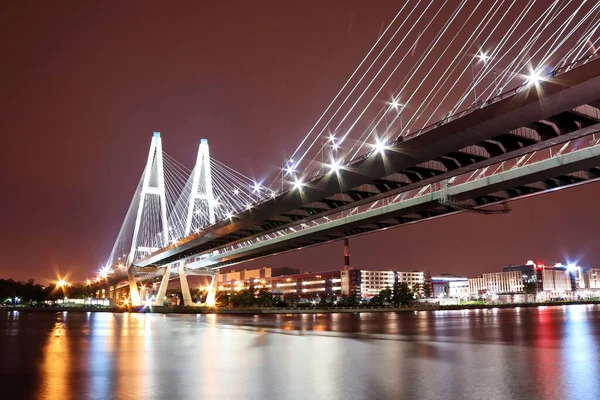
(534, 78)
(61, 283)
(257, 186)
(335, 166)
(395, 103)
(483, 56)
(572, 267)
(380, 146)
(103, 272)
(273, 195)
(229, 214)
(248, 206)
(87, 282)
(298, 184)
(236, 191)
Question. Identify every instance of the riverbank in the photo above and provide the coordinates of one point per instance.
(311, 310)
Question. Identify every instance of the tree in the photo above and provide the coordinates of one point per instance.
(386, 296)
(402, 294)
(242, 298)
(427, 290)
(418, 289)
(222, 299)
(264, 298)
(530, 288)
(376, 300)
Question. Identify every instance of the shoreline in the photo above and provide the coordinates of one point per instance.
(315, 310)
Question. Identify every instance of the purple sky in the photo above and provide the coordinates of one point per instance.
(84, 85)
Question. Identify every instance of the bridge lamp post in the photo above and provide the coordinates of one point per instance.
(397, 106)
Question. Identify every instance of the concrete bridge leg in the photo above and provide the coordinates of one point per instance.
(134, 294)
(162, 290)
(212, 290)
(185, 288)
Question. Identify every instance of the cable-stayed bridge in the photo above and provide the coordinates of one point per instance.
(531, 127)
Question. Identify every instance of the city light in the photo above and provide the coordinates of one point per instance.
(236, 191)
(61, 283)
(273, 195)
(88, 282)
(248, 206)
(229, 214)
(256, 186)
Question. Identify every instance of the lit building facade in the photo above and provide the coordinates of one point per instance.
(290, 287)
(556, 280)
(441, 285)
(373, 282)
(412, 278)
(458, 289)
(593, 278)
(504, 282)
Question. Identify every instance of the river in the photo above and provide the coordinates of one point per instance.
(527, 353)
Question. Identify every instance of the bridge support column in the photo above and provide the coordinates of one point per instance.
(162, 290)
(134, 294)
(185, 287)
(212, 290)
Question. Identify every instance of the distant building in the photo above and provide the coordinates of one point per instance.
(289, 287)
(593, 278)
(413, 278)
(351, 280)
(441, 285)
(373, 282)
(555, 281)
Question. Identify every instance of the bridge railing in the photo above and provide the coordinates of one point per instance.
(426, 190)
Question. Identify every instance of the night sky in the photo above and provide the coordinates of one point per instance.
(84, 85)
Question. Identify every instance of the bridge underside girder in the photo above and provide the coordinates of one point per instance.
(498, 191)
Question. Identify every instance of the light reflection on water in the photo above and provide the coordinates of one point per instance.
(545, 352)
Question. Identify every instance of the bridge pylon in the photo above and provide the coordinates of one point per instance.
(153, 184)
(162, 290)
(202, 189)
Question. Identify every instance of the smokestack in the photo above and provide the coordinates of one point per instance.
(346, 254)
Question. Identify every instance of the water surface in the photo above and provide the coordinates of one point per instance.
(527, 353)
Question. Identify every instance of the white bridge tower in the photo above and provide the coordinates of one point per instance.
(153, 185)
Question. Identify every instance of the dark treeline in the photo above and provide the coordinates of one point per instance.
(399, 294)
(18, 292)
